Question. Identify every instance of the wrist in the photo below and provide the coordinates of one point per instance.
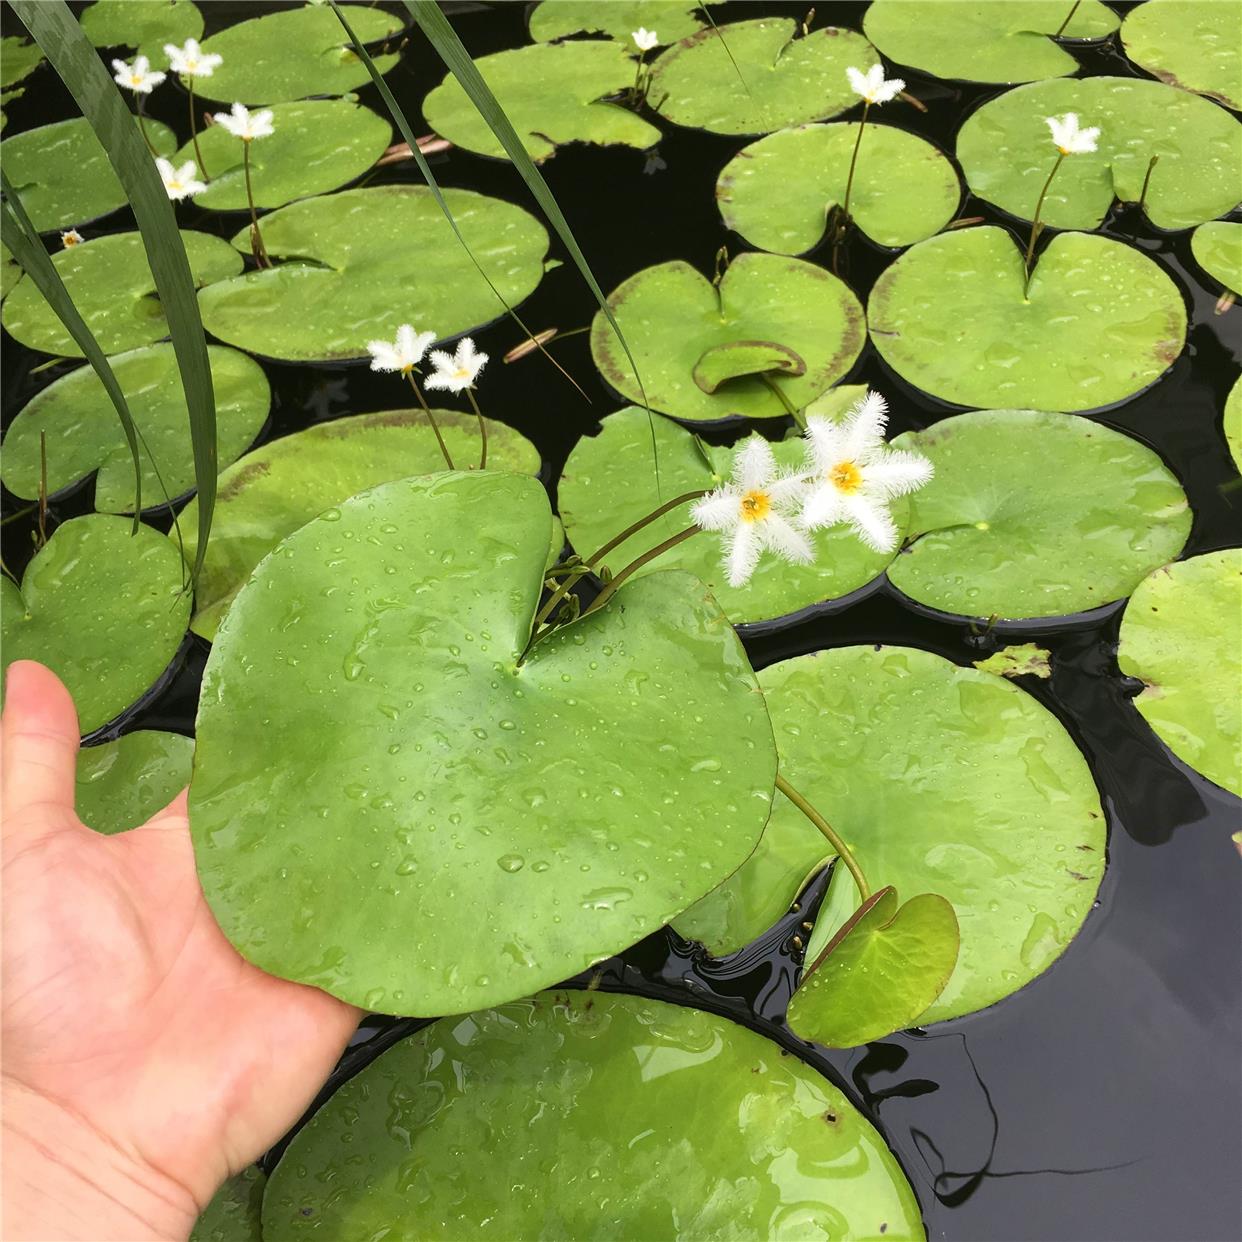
(63, 1181)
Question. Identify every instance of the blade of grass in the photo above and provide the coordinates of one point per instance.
(736, 67)
(433, 185)
(77, 63)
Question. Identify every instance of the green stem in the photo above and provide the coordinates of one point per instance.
(849, 181)
(431, 418)
(607, 593)
(860, 880)
(779, 393)
(256, 238)
(198, 155)
(1036, 226)
(482, 428)
(142, 127)
(1069, 17)
(1151, 163)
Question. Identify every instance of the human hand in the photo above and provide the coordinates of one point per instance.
(144, 1059)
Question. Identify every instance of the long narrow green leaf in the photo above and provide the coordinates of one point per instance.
(433, 185)
(77, 63)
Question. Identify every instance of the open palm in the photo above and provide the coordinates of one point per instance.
(122, 1000)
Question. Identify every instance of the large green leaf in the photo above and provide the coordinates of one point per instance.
(986, 41)
(142, 26)
(103, 607)
(121, 784)
(670, 19)
(294, 52)
(1217, 247)
(318, 145)
(1193, 44)
(269, 493)
(351, 265)
(415, 765)
(588, 1115)
(777, 192)
(1182, 637)
(673, 316)
(113, 288)
(1006, 152)
(1101, 321)
(757, 76)
(992, 537)
(610, 482)
(552, 92)
(75, 414)
(881, 971)
(235, 1213)
(63, 173)
(18, 59)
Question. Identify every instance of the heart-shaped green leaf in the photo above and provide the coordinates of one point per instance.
(101, 607)
(1006, 152)
(1217, 248)
(883, 968)
(671, 315)
(757, 76)
(570, 1105)
(975, 42)
(610, 481)
(1022, 660)
(295, 52)
(269, 493)
(349, 266)
(235, 1213)
(1100, 322)
(63, 174)
(142, 28)
(554, 93)
(415, 765)
(990, 537)
(778, 191)
(318, 145)
(670, 19)
(112, 286)
(740, 358)
(121, 784)
(1179, 636)
(1188, 43)
(18, 59)
(83, 434)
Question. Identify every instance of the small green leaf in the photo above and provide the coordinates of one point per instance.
(1231, 424)
(18, 59)
(142, 28)
(722, 363)
(1023, 660)
(1217, 247)
(121, 784)
(1192, 44)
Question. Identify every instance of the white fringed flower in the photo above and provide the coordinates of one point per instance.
(191, 61)
(138, 77)
(71, 237)
(403, 354)
(1069, 139)
(645, 39)
(457, 371)
(244, 124)
(873, 86)
(179, 182)
(753, 513)
(855, 474)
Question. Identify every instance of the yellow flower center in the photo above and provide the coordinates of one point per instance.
(462, 373)
(755, 506)
(135, 79)
(845, 476)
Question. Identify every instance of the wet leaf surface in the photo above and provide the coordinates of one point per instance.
(121, 784)
(1188, 43)
(141, 28)
(1023, 660)
(235, 1214)
(670, 19)
(1217, 248)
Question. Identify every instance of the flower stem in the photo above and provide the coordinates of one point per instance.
(482, 427)
(779, 393)
(1069, 17)
(198, 155)
(1036, 226)
(860, 880)
(849, 181)
(256, 238)
(606, 594)
(1142, 202)
(431, 418)
(142, 126)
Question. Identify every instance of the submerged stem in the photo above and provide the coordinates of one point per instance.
(256, 238)
(860, 880)
(198, 155)
(431, 418)
(1036, 226)
(482, 428)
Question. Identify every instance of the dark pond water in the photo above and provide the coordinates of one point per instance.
(1103, 1101)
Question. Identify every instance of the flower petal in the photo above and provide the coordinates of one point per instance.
(718, 510)
(742, 553)
(785, 539)
(896, 473)
(871, 521)
(754, 465)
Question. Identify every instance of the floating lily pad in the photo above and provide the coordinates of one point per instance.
(346, 262)
(1180, 637)
(122, 784)
(84, 434)
(883, 968)
(757, 76)
(1192, 44)
(947, 780)
(143, 27)
(1006, 153)
(552, 92)
(314, 54)
(990, 537)
(101, 607)
(570, 1104)
(1217, 248)
(18, 59)
(670, 19)
(1023, 660)
(985, 42)
(610, 481)
(1232, 423)
(63, 174)
(415, 766)
(1101, 321)
(235, 1213)
(722, 363)
(318, 145)
(672, 316)
(778, 191)
(269, 493)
